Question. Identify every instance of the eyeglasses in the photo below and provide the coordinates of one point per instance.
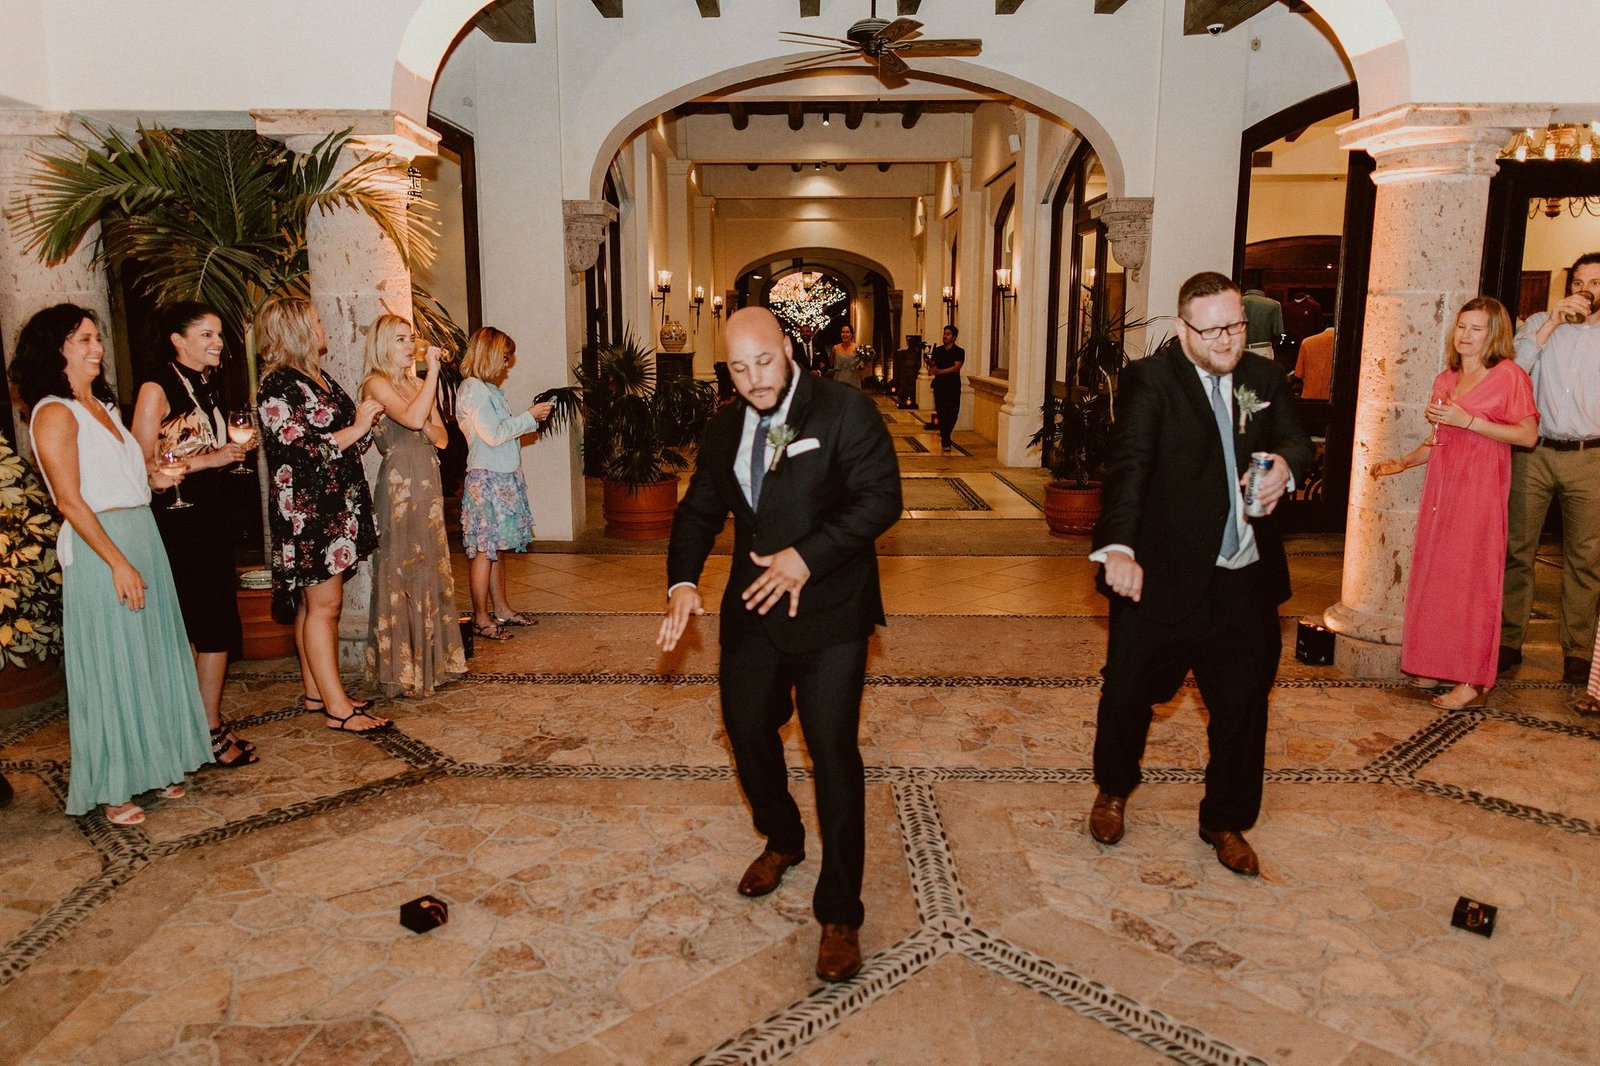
(1211, 333)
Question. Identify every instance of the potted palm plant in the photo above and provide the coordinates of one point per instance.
(636, 426)
(220, 216)
(1077, 427)
(30, 586)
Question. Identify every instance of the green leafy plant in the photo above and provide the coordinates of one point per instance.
(635, 425)
(1077, 426)
(30, 579)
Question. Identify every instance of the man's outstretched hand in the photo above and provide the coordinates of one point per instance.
(785, 574)
(683, 605)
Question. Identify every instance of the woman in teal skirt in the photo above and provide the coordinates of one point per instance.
(134, 714)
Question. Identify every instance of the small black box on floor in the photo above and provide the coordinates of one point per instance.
(466, 634)
(1313, 644)
(1473, 916)
(424, 913)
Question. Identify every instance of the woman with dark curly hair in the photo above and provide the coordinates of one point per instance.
(178, 412)
(134, 713)
(321, 520)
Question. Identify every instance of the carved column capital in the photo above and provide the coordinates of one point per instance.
(1430, 142)
(1127, 222)
(586, 224)
(372, 132)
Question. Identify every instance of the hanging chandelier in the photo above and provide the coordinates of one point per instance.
(1563, 140)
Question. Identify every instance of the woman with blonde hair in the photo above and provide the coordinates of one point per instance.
(494, 497)
(1482, 404)
(414, 641)
(321, 514)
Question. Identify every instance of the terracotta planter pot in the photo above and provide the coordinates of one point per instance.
(264, 637)
(640, 512)
(21, 686)
(1071, 511)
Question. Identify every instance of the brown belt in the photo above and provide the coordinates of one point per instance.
(1569, 445)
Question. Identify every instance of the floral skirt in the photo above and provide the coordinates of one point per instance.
(494, 513)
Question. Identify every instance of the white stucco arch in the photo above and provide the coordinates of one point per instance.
(841, 254)
(1371, 37)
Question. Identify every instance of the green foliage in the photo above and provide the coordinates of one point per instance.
(635, 426)
(30, 580)
(1082, 420)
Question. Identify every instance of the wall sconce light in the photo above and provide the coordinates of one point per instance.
(949, 298)
(663, 286)
(695, 301)
(716, 307)
(824, 118)
(1002, 281)
(413, 184)
(916, 305)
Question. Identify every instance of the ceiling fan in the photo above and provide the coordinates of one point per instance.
(884, 44)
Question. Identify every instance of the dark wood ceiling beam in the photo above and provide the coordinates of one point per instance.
(710, 9)
(1006, 7)
(810, 9)
(508, 22)
(909, 117)
(741, 117)
(908, 7)
(797, 117)
(1108, 7)
(611, 9)
(1198, 14)
(854, 112)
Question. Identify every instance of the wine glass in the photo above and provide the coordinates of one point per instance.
(1439, 396)
(242, 431)
(172, 465)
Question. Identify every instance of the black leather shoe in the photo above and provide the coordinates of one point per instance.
(1105, 817)
(1509, 658)
(1233, 851)
(1575, 671)
(766, 872)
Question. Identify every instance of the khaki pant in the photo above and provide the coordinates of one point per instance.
(1572, 479)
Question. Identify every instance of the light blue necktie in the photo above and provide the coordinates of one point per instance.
(1219, 407)
(758, 459)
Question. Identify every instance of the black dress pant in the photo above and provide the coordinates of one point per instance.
(947, 407)
(757, 680)
(1231, 643)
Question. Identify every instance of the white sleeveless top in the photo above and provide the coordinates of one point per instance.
(111, 472)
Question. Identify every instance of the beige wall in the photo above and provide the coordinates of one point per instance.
(1553, 243)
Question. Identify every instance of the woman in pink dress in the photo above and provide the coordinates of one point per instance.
(1482, 404)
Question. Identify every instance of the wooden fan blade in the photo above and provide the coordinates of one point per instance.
(891, 65)
(816, 37)
(949, 46)
(828, 59)
(897, 29)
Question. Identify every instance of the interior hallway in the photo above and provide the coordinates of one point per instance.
(573, 802)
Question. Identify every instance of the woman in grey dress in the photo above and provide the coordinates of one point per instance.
(846, 359)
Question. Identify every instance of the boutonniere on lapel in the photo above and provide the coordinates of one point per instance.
(1247, 403)
(779, 437)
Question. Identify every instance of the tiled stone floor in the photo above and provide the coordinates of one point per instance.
(573, 802)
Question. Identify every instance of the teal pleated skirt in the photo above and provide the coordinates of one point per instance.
(133, 704)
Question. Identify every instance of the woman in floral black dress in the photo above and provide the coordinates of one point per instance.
(322, 521)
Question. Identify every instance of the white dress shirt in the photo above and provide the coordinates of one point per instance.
(1566, 377)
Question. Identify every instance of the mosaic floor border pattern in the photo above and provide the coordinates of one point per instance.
(946, 926)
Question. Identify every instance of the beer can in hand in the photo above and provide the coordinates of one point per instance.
(1260, 463)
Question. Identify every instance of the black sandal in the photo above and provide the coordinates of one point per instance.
(345, 727)
(360, 706)
(222, 741)
(240, 742)
(493, 632)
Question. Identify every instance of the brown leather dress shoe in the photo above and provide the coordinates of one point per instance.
(1575, 671)
(839, 954)
(767, 871)
(1233, 851)
(1105, 817)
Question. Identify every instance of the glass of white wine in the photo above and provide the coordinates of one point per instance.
(172, 465)
(242, 431)
(1441, 396)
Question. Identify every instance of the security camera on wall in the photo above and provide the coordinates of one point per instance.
(1215, 28)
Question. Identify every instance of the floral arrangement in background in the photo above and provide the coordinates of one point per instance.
(30, 580)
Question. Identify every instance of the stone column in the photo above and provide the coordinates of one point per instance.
(356, 275)
(26, 284)
(1433, 169)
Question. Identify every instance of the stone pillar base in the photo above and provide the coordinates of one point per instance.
(1365, 658)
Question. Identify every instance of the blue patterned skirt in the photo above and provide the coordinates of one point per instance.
(494, 513)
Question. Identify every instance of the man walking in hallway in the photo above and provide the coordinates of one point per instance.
(1194, 583)
(809, 473)
(944, 365)
(1561, 352)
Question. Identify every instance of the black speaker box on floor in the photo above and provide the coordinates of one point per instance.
(424, 913)
(1313, 644)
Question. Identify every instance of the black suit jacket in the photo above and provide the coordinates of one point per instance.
(830, 503)
(1164, 492)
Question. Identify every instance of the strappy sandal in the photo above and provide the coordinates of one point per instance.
(360, 706)
(517, 618)
(172, 792)
(239, 742)
(1588, 707)
(222, 742)
(344, 725)
(494, 632)
(126, 814)
(1476, 702)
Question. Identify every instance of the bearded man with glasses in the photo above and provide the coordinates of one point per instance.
(1194, 582)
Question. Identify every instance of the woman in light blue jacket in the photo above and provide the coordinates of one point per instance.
(494, 498)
